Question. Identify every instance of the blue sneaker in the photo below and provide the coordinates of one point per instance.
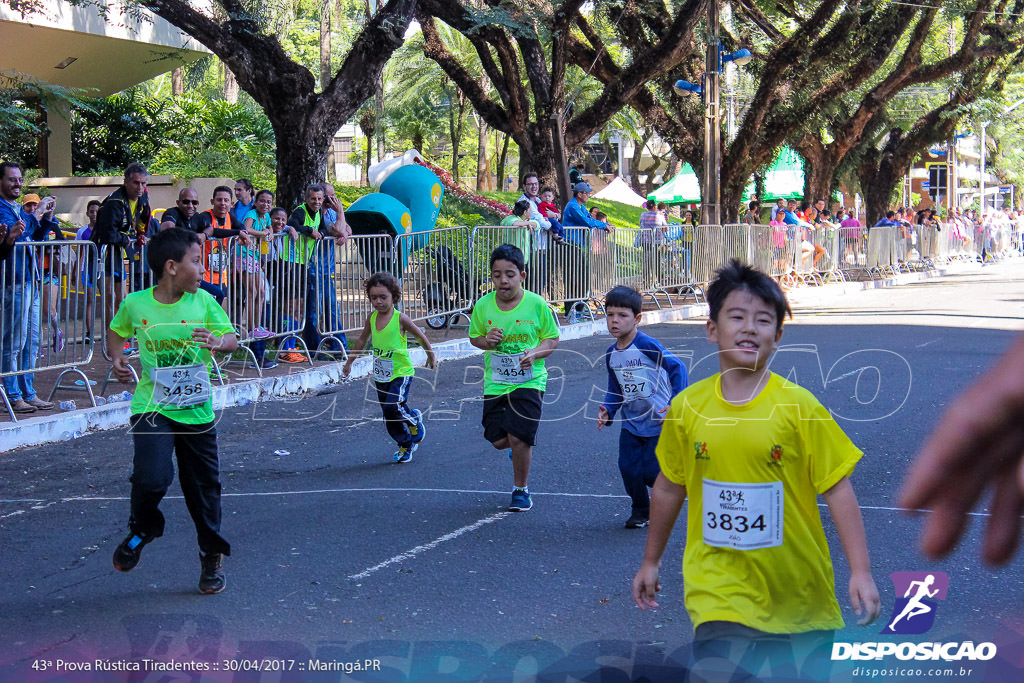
(520, 500)
(418, 430)
(403, 454)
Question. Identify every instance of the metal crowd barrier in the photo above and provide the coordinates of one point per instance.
(46, 306)
(437, 287)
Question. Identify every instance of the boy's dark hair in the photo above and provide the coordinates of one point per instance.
(510, 253)
(738, 275)
(601, 216)
(277, 209)
(547, 188)
(169, 245)
(520, 206)
(223, 188)
(386, 280)
(622, 296)
(92, 203)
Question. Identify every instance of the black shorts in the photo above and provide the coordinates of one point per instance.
(516, 413)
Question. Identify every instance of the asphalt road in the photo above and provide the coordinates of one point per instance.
(340, 556)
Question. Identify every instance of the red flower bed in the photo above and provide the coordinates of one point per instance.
(465, 195)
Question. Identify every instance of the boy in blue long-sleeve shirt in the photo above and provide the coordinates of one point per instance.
(642, 379)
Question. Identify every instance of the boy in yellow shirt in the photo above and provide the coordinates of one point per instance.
(753, 451)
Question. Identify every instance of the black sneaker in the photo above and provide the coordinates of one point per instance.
(212, 579)
(127, 554)
(637, 521)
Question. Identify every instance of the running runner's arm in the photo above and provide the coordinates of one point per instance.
(542, 350)
(409, 327)
(842, 505)
(357, 347)
(612, 397)
(115, 349)
(667, 500)
(208, 340)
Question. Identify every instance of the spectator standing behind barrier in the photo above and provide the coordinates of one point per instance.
(577, 261)
(245, 200)
(214, 224)
(576, 174)
(851, 235)
(321, 290)
(87, 272)
(50, 268)
(537, 275)
(121, 227)
(652, 233)
(19, 345)
(180, 215)
(520, 218)
(307, 222)
(752, 216)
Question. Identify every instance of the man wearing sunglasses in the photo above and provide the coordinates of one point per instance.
(179, 216)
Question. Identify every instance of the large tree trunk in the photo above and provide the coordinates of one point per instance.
(301, 156)
(325, 71)
(502, 157)
(819, 169)
(178, 82)
(230, 84)
(483, 166)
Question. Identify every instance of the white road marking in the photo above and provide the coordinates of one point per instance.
(409, 554)
(921, 346)
(850, 374)
(258, 494)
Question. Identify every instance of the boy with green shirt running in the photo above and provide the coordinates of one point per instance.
(177, 327)
(517, 331)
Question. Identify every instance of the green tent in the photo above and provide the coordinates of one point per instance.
(784, 179)
(683, 189)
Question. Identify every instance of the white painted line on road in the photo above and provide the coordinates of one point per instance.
(921, 346)
(260, 494)
(409, 554)
(851, 374)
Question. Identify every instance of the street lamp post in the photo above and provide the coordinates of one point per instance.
(711, 207)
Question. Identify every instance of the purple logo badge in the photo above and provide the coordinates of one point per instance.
(914, 612)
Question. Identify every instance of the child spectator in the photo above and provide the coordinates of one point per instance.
(642, 379)
(88, 271)
(778, 228)
(516, 330)
(549, 210)
(178, 328)
(520, 218)
(386, 329)
(256, 225)
(753, 451)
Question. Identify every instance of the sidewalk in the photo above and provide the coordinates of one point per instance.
(302, 380)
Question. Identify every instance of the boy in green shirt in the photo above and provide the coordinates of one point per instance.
(177, 327)
(517, 330)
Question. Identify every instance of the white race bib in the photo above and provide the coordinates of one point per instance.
(635, 383)
(383, 369)
(742, 516)
(180, 386)
(505, 369)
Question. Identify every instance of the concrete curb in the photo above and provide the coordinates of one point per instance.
(71, 425)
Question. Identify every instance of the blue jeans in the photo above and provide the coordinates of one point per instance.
(320, 296)
(21, 339)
